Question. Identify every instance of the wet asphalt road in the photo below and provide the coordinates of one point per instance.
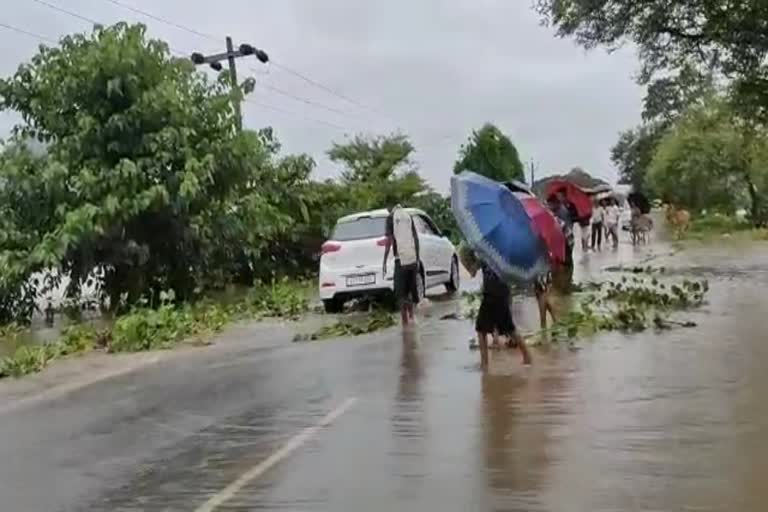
(672, 421)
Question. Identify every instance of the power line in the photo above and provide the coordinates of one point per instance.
(96, 22)
(65, 11)
(287, 94)
(212, 37)
(296, 114)
(318, 84)
(205, 35)
(27, 33)
(164, 20)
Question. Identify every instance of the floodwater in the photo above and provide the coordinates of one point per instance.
(651, 421)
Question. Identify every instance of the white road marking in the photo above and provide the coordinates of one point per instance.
(289, 447)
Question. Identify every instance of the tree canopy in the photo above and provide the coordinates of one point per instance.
(128, 171)
(730, 39)
(490, 153)
(633, 152)
(378, 171)
(143, 163)
(708, 161)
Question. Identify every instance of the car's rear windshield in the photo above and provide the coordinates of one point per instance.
(358, 229)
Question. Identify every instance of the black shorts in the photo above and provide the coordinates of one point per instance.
(495, 315)
(407, 283)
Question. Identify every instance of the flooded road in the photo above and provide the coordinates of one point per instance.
(407, 421)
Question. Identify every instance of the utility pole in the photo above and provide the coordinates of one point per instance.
(533, 173)
(230, 55)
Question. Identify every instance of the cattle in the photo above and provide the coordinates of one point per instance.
(678, 219)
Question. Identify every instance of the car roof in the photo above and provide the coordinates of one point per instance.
(383, 212)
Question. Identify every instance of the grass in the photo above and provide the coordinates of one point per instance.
(717, 226)
(144, 329)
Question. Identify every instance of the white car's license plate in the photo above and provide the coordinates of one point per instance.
(361, 280)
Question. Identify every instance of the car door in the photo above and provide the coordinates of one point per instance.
(431, 243)
(427, 247)
(444, 251)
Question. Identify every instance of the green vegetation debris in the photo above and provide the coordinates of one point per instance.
(377, 321)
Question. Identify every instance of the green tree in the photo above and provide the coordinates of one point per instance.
(490, 153)
(377, 171)
(708, 161)
(728, 39)
(633, 153)
(438, 207)
(372, 158)
(143, 160)
(667, 98)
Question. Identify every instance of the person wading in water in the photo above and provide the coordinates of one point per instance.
(404, 241)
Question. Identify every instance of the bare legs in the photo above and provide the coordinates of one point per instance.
(407, 313)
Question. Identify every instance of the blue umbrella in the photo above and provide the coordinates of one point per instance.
(497, 227)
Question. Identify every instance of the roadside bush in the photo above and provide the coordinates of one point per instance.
(717, 224)
(81, 338)
(280, 299)
(27, 359)
(149, 329)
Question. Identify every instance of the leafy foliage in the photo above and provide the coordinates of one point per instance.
(282, 299)
(142, 159)
(666, 100)
(377, 172)
(439, 210)
(670, 96)
(128, 173)
(144, 328)
(342, 328)
(633, 153)
(372, 158)
(708, 145)
(695, 33)
(631, 305)
(687, 50)
(490, 153)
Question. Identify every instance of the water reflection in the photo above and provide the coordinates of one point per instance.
(408, 420)
(519, 407)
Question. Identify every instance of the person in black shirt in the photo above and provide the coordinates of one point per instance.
(494, 317)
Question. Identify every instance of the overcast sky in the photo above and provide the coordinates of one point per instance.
(434, 69)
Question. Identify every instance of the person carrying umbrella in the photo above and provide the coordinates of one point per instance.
(494, 318)
(566, 213)
(404, 240)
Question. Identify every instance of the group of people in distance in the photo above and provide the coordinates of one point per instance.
(605, 221)
(494, 320)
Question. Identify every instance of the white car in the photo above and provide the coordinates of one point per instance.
(351, 261)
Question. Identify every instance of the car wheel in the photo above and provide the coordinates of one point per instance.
(453, 283)
(333, 306)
